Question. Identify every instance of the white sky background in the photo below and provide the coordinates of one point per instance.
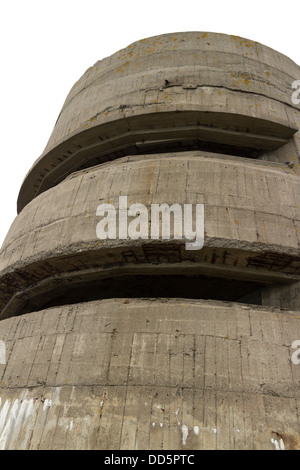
(47, 45)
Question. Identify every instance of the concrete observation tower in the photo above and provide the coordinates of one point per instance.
(141, 343)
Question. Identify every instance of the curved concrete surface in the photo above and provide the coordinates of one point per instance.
(140, 343)
(173, 88)
(159, 374)
(248, 222)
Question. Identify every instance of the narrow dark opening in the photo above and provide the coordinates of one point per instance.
(157, 132)
(166, 147)
(149, 286)
(205, 146)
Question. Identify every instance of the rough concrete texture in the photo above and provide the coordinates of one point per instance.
(246, 216)
(155, 374)
(176, 86)
(141, 344)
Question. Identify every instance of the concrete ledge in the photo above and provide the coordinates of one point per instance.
(251, 225)
(170, 88)
(148, 134)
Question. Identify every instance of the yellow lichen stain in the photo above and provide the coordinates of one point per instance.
(149, 50)
(69, 205)
(236, 221)
(121, 69)
(267, 72)
(242, 41)
(204, 35)
(246, 78)
(105, 114)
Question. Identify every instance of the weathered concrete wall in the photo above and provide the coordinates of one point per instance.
(286, 296)
(181, 118)
(252, 225)
(150, 374)
(188, 85)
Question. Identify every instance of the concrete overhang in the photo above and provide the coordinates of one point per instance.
(152, 133)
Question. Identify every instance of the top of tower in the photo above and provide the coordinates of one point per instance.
(174, 91)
